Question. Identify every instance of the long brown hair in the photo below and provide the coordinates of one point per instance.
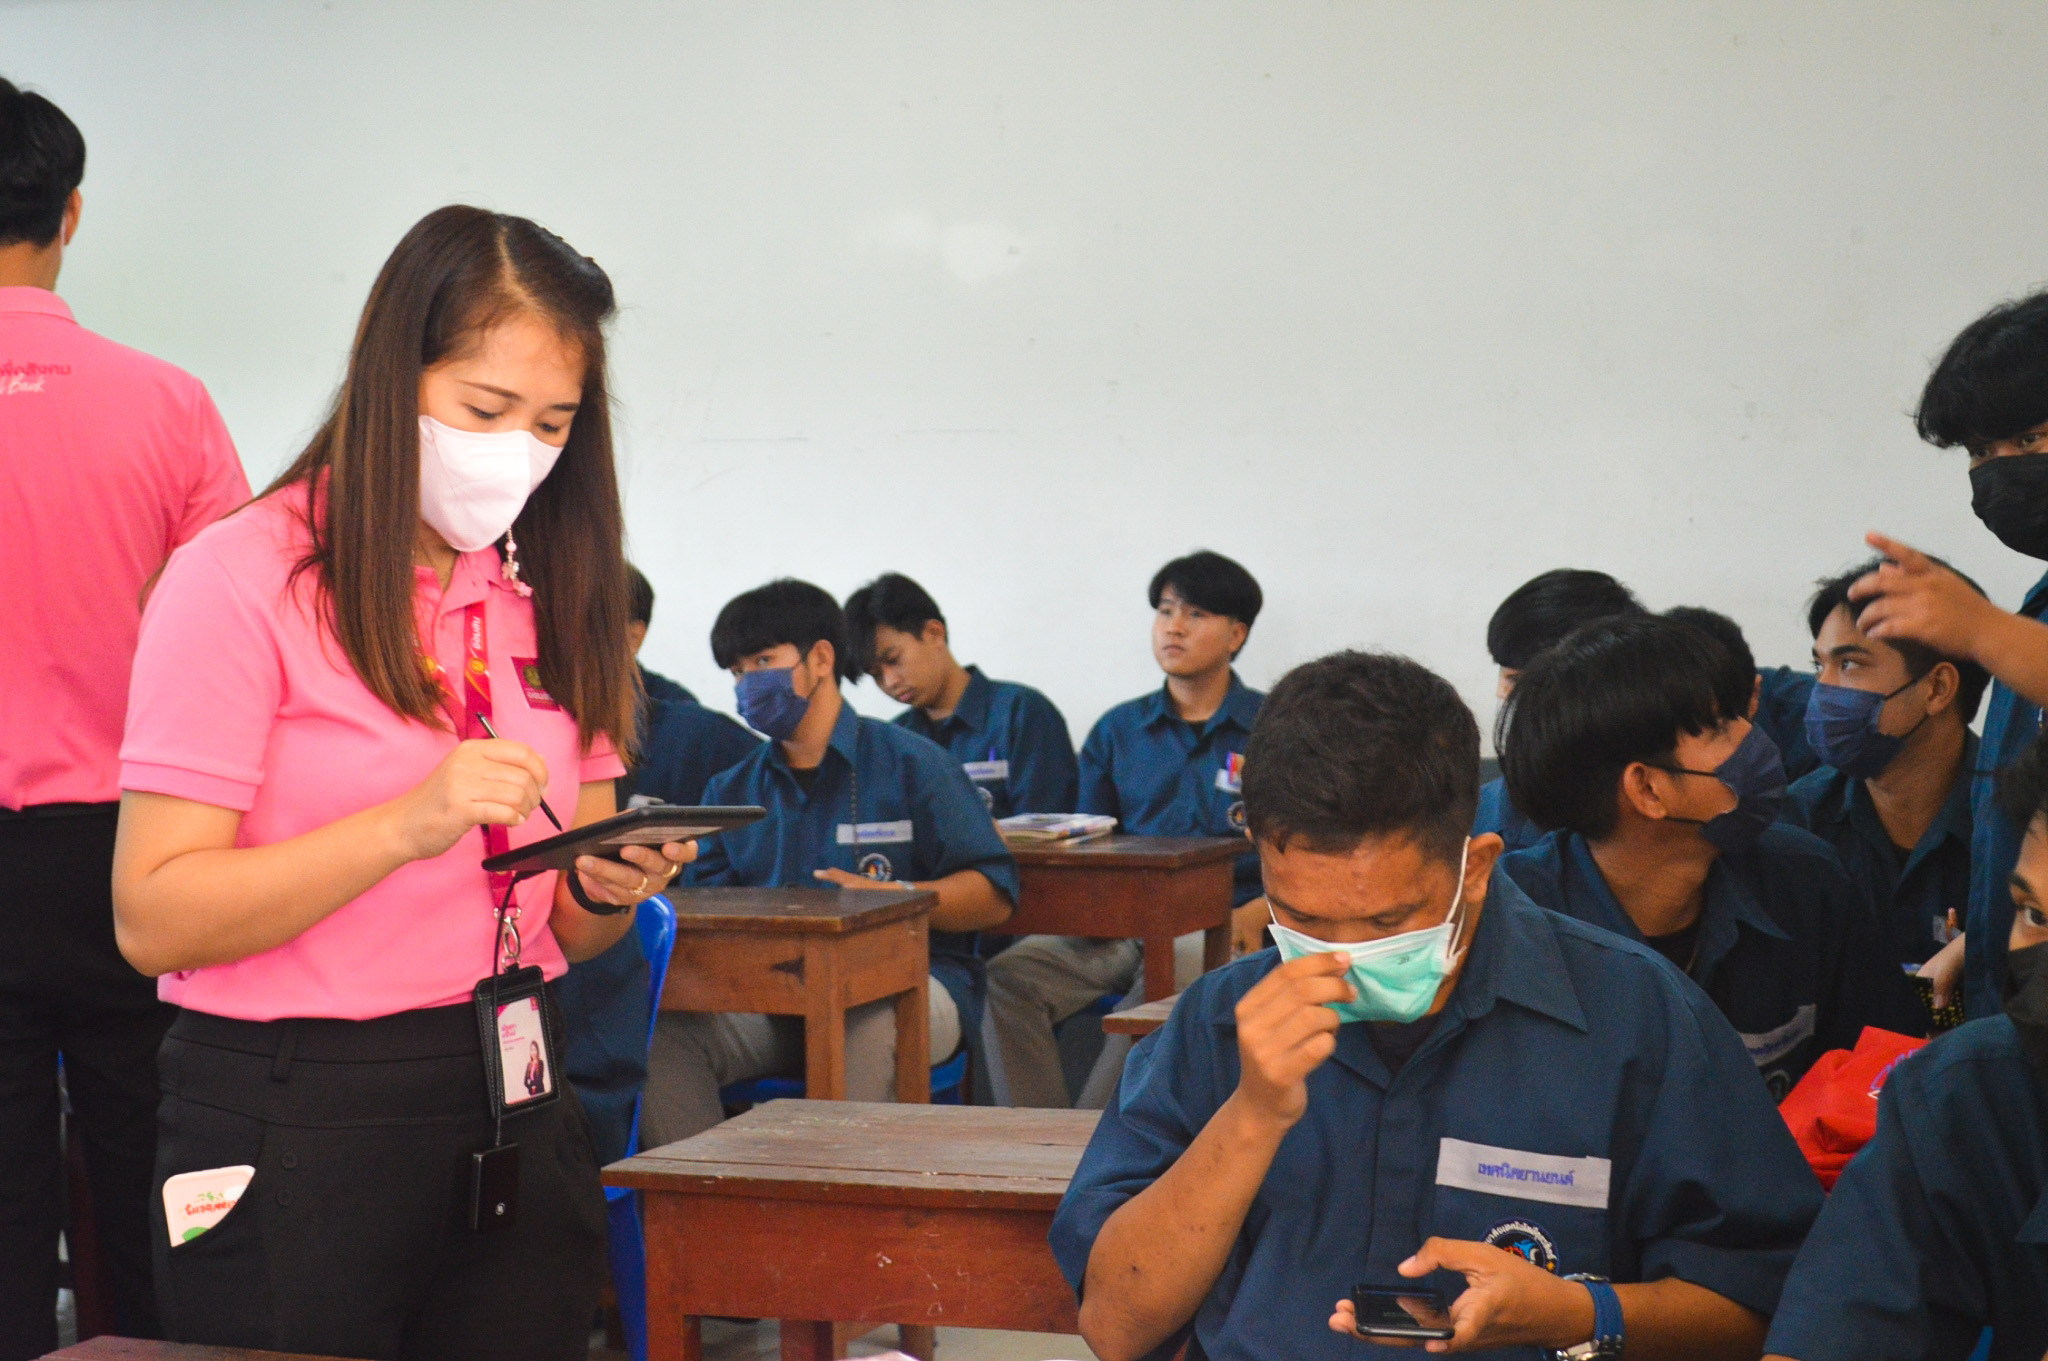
(457, 272)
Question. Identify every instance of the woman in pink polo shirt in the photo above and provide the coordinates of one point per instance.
(307, 794)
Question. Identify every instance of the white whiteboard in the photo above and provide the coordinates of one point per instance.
(1398, 303)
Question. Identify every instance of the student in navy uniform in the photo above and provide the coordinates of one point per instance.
(1778, 694)
(1009, 738)
(682, 743)
(851, 801)
(1629, 738)
(1166, 764)
(1939, 1228)
(1520, 1106)
(1536, 614)
(1891, 724)
(604, 1001)
(1989, 396)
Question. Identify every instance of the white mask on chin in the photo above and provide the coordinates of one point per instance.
(474, 484)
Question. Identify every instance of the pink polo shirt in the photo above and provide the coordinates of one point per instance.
(241, 700)
(109, 459)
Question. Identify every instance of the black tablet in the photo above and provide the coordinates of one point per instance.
(651, 826)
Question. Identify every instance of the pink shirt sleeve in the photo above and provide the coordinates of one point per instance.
(205, 689)
(601, 762)
(218, 482)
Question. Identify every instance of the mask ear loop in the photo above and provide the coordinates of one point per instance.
(1454, 951)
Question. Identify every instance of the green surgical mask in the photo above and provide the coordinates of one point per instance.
(1396, 977)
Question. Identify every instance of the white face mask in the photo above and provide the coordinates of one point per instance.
(474, 484)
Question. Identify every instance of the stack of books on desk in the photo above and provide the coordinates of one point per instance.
(1032, 829)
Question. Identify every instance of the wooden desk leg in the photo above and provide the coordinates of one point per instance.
(807, 1340)
(914, 1043)
(920, 1340)
(671, 1334)
(1159, 967)
(1215, 948)
(824, 1025)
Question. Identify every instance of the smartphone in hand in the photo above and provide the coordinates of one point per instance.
(1405, 1311)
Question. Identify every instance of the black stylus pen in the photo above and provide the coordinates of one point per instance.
(543, 803)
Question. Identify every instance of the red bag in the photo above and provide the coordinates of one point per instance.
(1833, 1110)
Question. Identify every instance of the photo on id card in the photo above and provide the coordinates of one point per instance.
(524, 1064)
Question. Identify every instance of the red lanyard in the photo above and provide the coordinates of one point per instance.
(475, 707)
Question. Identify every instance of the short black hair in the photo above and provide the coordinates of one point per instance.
(2022, 787)
(1360, 744)
(639, 596)
(42, 159)
(1992, 383)
(1209, 581)
(1615, 692)
(1543, 609)
(1737, 681)
(1920, 659)
(783, 611)
(891, 600)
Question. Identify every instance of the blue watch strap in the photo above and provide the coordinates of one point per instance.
(1606, 1317)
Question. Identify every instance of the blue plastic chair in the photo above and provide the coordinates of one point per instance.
(655, 925)
(949, 1086)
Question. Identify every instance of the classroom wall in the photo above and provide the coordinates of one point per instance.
(1398, 303)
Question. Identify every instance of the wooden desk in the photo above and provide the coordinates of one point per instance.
(134, 1349)
(817, 1213)
(1147, 888)
(1142, 1019)
(810, 952)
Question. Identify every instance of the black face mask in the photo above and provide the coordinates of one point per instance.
(2026, 1003)
(2010, 495)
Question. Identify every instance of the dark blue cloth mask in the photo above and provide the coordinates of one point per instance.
(1756, 774)
(1841, 727)
(769, 703)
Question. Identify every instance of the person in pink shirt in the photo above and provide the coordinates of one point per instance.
(309, 785)
(109, 459)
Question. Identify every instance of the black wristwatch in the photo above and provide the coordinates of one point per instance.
(1606, 1340)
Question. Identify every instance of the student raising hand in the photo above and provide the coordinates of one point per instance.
(1914, 598)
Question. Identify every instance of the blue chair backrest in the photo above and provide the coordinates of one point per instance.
(656, 927)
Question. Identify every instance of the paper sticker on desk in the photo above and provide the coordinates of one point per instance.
(196, 1201)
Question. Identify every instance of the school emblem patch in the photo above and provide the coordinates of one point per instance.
(1237, 815)
(1527, 1241)
(988, 800)
(875, 865)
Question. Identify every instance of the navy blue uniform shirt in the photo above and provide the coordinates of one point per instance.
(1012, 743)
(916, 817)
(1940, 1225)
(1554, 1110)
(2011, 724)
(1781, 713)
(1497, 813)
(1159, 775)
(604, 1001)
(1912, 891)
(660, 687)
(1787, 948)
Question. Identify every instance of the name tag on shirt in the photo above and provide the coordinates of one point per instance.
(1230, 777)
(1523, 1176)
(875, 833)
(986, 772)
(1767, 1048)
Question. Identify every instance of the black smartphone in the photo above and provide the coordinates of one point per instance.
(654, 825)
(1401, 1311)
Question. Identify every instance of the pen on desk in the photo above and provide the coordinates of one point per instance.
(543, 803)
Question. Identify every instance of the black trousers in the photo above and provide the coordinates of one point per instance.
(66, 992)
(353, 1239)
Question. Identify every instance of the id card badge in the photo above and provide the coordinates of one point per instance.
(522, 1041)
